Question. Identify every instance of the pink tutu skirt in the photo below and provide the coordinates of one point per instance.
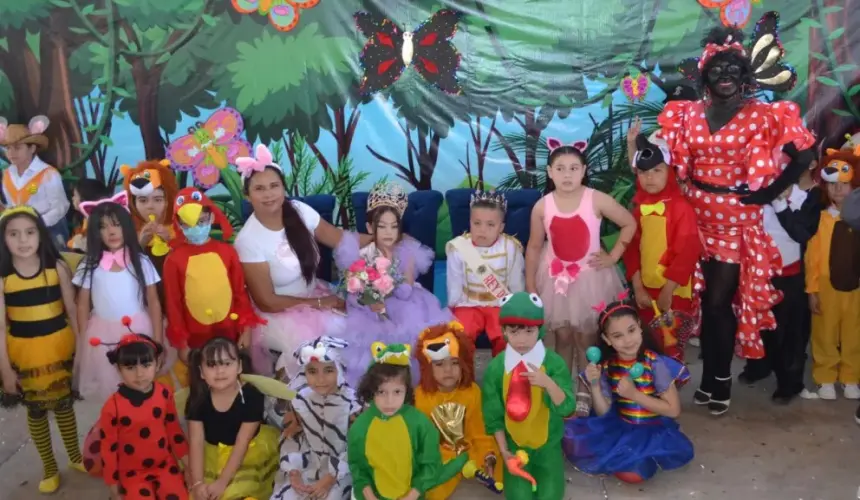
(575, 309)
(285, 331)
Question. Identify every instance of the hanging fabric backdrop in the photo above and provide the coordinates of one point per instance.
(487, 82)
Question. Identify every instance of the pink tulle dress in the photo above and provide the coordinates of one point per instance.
(410, 308)
(567, 285)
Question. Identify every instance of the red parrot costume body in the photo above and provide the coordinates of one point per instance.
(204, 284)
(666, 245)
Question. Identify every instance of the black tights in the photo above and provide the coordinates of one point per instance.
(719, 324)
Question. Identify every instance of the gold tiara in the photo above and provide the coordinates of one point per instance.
(491, 197)
(387, 194)
(20, 209)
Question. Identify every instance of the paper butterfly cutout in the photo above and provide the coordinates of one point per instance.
(210, 147)
(389, 51)
(283, 14)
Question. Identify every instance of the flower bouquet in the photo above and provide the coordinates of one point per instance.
(371, 281)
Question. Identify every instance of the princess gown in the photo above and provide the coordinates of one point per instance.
(410, 308)
(628, 439)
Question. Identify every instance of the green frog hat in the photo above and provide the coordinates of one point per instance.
(524, 309)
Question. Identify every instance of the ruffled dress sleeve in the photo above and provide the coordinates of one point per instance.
(776, 124)
(673, 122)
(411, 252)
(347, 250)
(668, 371)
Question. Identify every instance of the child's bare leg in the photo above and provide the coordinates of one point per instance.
(564, 344)
(582, 341)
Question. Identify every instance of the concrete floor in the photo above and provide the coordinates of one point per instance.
(809, 450)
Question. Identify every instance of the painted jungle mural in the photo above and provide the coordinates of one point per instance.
(452, 94)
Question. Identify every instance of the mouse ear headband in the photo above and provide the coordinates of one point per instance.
(553, 143)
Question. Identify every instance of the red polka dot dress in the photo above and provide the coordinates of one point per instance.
(745, 151)
(141, 442)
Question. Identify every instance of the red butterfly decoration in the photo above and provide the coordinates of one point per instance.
(390, 50)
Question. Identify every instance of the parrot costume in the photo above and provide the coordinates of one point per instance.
(203, 281)
(530, 420)
(395, 454)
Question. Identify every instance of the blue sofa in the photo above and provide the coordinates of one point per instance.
(520, 204)
(419, 222)
(517, 219)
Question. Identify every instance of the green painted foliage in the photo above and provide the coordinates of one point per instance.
(15, 13)
(278, 83)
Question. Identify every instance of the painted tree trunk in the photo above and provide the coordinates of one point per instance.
(146, 82)
(821, 97)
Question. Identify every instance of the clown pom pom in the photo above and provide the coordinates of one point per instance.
(95, 341)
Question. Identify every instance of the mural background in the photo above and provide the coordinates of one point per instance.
(123, 79)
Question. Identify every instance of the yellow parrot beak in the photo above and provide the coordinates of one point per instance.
(189, 213)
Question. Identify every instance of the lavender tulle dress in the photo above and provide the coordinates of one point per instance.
(410, 308)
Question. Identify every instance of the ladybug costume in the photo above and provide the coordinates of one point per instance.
(140, 441)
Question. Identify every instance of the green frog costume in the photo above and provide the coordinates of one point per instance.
(531, 421)
(394, 454)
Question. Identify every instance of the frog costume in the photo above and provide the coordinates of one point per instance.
(527, 414)
(394, 454)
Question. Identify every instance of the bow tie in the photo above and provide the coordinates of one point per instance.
(111, 258)
(658, 208)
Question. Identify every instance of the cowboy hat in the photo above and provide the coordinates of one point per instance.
(25, 134)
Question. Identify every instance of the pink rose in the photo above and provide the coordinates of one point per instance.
(358, 266)
(384, 284)
(382, 264)
(354, 285)
(373, 274)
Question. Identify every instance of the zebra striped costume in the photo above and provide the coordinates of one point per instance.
(320, 448)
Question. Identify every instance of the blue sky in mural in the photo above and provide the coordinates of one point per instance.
(378, 129)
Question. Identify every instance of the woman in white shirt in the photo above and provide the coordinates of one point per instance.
(279, 254)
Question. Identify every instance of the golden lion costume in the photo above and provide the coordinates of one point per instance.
(457, 414)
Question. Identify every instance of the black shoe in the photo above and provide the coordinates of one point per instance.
(750, 377)
(721, 397)
(783, 396)
(857, 416)
(701, 397)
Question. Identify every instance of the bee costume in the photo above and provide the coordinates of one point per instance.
(394, 454)
(41, 349)
(525, 413)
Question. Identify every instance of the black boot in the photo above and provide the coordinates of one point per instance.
(721, 398)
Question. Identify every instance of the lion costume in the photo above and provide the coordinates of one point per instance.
(142, 180)
(457, 414)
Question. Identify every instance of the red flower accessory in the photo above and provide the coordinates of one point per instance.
(713, 49)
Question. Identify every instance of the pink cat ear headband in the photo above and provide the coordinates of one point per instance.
(87, 207)
(246, 166)
(621, 304)
(552, 143)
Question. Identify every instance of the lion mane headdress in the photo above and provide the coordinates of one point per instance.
(441, 342)
(143, 179)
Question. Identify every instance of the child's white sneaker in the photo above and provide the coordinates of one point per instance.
(827, 391)
(694, 342)
(851, 391)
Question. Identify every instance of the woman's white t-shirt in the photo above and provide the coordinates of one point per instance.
(116, 294)
(256, 243)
